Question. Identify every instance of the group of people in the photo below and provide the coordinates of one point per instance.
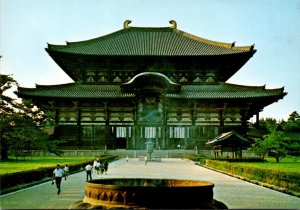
(58, 174)
(99, 167)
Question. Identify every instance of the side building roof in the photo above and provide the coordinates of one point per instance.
(225, 138)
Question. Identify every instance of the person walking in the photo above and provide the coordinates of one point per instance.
(97, 167)
(146, 159)
(94, 165)
(88, 169)
(58, 173)
(101, 168)
(66, 171)
(105, 167)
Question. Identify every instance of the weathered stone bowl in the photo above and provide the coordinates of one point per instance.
(150, 193)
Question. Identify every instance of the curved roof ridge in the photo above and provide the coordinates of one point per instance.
(143, 78)
(260, 87)
(56, 85)
(214, 43)
(207, 41)
(68, 43)
(146, 73)
(71, 84)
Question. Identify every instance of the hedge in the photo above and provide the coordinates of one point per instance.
(287, 180)
(25, 177)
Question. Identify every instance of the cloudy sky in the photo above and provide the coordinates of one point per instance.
(272, 25)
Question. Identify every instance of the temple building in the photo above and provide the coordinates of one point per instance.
(149, 83)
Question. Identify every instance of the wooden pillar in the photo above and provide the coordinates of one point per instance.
(107, 127)
(138, 136)
(156, 138)
(133, 136)
(194, 114)
(185, 137)
(164, 133)
(221, 116)
(56, 120)
(78, 123)
(257, 120)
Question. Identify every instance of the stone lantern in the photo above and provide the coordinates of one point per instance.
(149, 148)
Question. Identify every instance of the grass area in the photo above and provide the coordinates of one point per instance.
(285, 165)
(13, 165)
(283, 176)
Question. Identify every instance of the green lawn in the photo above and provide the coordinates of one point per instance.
(286, 165)
(13, 165)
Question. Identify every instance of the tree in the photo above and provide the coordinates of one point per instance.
(294, 116)
(292, 127)
(259, 148)
(293, 123)
(275, 142)
(20, 123)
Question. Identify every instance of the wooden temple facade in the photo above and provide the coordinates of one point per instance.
(139, 84)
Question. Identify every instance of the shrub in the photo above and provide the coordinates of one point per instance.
(24, 177)
(288, 180)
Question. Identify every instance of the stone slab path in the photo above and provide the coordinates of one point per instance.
(234, 193)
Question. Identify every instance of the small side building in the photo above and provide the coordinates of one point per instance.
(229, 143)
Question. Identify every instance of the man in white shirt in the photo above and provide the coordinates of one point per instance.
(58, 173)
(88, 169)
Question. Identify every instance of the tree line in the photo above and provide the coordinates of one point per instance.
(277, 139)
(21, 123)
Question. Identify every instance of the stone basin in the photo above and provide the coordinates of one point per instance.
(150, 193)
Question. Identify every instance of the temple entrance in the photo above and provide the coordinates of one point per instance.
(120, 143)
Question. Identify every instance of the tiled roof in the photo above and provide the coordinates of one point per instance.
(226, 137)
(225, 90)
(138, 41)
(75, 90)
(212, 91)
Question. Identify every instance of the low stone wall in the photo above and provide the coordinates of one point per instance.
(71, 153)
(122, 153)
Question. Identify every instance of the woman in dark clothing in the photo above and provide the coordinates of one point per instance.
(105, 167)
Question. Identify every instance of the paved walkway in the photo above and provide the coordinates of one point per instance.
(233, 192)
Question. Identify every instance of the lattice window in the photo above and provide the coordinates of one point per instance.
(177, 132)
(150, 132)
(121, 132)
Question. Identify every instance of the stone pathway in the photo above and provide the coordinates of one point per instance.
(233, 192)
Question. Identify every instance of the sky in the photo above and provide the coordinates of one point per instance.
(26, 26)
